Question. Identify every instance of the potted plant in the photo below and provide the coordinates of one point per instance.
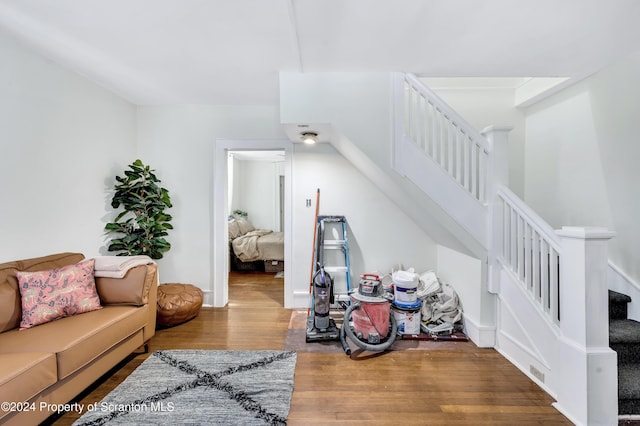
(142, 225)
(240, 214)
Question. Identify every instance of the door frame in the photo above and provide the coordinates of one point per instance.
(219, 216)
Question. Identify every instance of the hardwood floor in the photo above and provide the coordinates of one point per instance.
(456, 384)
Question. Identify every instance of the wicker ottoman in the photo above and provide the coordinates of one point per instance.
(177, 303)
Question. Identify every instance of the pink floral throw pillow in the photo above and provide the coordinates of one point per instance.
(57, 293)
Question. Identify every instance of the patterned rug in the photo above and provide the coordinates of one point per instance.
(201, 387)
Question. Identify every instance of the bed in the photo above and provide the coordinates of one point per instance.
(253, 249)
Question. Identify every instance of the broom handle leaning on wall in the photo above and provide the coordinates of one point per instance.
(313, 249)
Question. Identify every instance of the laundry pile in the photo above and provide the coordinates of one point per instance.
(441, 308)
(423, 303)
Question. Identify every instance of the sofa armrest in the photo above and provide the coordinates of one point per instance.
(134, 288)
(139, 287)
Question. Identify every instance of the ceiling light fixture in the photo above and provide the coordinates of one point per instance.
(309, 137)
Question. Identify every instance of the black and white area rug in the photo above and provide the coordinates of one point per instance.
(200, 387)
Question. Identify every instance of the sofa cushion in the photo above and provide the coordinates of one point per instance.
(24, 375)
(10, 304)
(56, 293)
(132, 289)
(79, 339)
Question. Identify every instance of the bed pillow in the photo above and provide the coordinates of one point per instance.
(245, 226)
(56, 293)
(234, 229)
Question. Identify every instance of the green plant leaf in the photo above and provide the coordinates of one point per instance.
(142, 223)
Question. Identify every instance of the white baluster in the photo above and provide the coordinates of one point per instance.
(535, 275)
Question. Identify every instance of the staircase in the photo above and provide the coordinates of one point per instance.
(624, 338)
(550, 285)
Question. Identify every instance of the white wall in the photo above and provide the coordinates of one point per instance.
(66, 139)
(359, 107)
(464, 273)
(63, 139)
(255, 191)
(178, 141)
(380, 234)
(582, 158)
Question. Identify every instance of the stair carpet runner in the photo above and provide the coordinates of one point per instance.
(624, 338)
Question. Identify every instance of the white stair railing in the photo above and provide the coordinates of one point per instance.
(526, 245)
(531, 250)
(562, 273)
(445, 137)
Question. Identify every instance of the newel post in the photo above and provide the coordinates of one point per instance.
(588, 377)
(498, 161)
(497, 175)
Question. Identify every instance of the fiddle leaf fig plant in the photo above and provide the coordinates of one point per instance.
(142, 225)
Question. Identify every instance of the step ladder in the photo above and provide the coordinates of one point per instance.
(332, 251)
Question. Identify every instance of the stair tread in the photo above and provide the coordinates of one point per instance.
(616, 297)
(629, 381)
(624, 331)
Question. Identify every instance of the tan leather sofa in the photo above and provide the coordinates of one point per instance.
(48, 365)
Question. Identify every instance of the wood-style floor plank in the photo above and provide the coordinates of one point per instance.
(459, 385)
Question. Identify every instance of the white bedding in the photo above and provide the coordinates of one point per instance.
(259, 244)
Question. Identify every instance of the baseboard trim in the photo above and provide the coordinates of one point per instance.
(565, 413)
(484, 336)
(618, 275)
(618, 281)
(207, 298)
(300, 299)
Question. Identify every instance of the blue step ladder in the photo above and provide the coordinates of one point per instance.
(332, 251)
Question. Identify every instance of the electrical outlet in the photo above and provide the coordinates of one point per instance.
(537, 373)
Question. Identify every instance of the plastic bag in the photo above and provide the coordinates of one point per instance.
(440, 302)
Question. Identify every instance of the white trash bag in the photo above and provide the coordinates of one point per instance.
(440, 302)
(428, 285)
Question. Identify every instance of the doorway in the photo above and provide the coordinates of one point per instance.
(255, 186)
(222, 198)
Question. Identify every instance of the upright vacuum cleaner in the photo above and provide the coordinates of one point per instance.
(320, 325)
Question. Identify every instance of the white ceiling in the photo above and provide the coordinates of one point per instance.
(230, 51)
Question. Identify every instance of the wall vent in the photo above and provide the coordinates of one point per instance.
(537, 373)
